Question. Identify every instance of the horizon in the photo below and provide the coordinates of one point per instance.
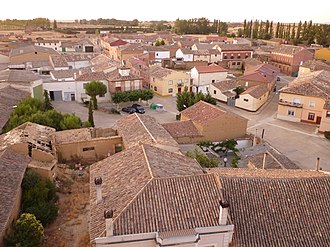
(283, 11)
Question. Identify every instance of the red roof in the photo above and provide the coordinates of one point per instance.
(213, 68)
(118, 42)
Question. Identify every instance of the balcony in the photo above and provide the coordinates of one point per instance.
(288, 103)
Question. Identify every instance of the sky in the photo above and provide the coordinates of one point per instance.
(225, 10)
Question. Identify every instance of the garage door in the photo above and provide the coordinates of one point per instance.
(69, 96)
(55, 95)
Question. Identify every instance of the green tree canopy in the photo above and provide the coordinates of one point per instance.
(187, 99)
(27, 232)
(95, 88)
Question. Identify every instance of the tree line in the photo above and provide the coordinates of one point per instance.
(43, 23)
(112, 21)
(307, 32)
(200, 26)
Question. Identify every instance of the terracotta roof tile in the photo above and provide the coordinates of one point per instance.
(213, 68)
(180, 129)
(288, 49)
(256, 91)
(315, 65)
(277, 208)
(203, 112)
(159, 72)
(226, 85)
(235, 47)
(91, 76)
(145, 129)
(261, 73)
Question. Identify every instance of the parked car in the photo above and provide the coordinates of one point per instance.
(129, 109)
(138, 108)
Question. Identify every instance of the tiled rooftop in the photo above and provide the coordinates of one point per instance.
(226, 85)
(159, 72)
(277, 207)
(12, 167)
(213, 68)
(288, 49)
(261, 73)
(315, 65)
(136, 129)
(256, 91)
(74, 135)
(181, 129)
(127, 173)
(235, 47)
(31, 49)
(18, 76)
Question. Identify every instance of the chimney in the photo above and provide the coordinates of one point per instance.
(264, 161)
(98, 183)
(317, 166)
(124, 71)
(223, 212)
(80, 72)
(74, 75)
(108, 215)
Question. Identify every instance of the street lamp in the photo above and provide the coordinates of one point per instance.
(225, 160)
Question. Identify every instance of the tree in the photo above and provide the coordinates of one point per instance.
(27, 232)
(90, 114)
(277, 30)
(70, 122)
(95, 88)
(298, 35)
(202, 159)
(238, 91)
(55, 25)
(47, 103)
(293, 33)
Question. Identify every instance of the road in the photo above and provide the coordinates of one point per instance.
(300, 142)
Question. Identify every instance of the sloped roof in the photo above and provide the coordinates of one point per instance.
(125, 174)
(235, 47)
(203, 112)
(173, 204)
(136, 129)
(31, 49)
(91, 76)
(256, 91)
(180, 129)
(315, 84)
(261, 73)
(18, 76)
(288, 49)
(226, 85)
(213, 68)
(315, 65)
(12, 167)
(159, 72)
(277, 207)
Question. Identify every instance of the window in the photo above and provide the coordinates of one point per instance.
(246, 55)
(170, 82)
(186, 81)
(191, 81)
(136, 85)
(118, 84)
(238, 63)
(213, 81)
(179, 82)
(247, 100)
(238, 56)
(327, 114)
(35, 52)
(232, 56)
(84, 85)
(246, 83)
(214, 91)
(291, 112)
(233, 63)
(127, 85)
(225, 56)
(118, 148)
(88, 149)
(311, 116)
(312, 104)
(155, 88)
(170, 90)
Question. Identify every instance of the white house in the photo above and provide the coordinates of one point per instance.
(53, 44)
(186, 55)
(204, 76)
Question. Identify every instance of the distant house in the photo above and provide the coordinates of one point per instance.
(157, 53)
(323, 54)
(224, 90)
(288, 58)
(252, 98)
(30, 53)
(167, 82)
(233, 54)
(12, 166)
(307, 99)
(122, 80)
(206, 122)
(53, 44)
(313, 65)
(185, 54)
(204, 76)
(140, 68)
(110, 46)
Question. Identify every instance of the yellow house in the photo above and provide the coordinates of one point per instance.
(323, 54)
(253, 98)
(166, 82)
(306, 99)
(311, 66)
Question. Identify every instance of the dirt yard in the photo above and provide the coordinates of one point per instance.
(70, 229)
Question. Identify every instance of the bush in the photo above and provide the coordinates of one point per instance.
(327, 134)
(202, 159)
(27, 232)
(234, 161)
(39, 197)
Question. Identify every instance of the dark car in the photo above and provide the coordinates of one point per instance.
(138, 108)
(129, 109)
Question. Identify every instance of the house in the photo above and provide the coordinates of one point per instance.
(103, 63)
(26, 80)
(250, 62)
(53, 44)
(140, 68)
(260, 75)
(9, 98)
(59, 62)
(122, 80)
(135, 129)
(147, 196)
(30, 53)
(166, 82)
(215, 38)
(111, 45)
(312, 65)
(86, 145)
(323, 54)
(224, 90)
(252, 98)
(12, 166)
(288, 58)
(206, 122)
(204, 76)
(233, 54)
(268, 209)
(156, 53)
(185, 54)
(80, 46)
(306, 99)
(124, 53)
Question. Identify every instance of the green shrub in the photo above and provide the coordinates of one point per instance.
(234, 161)
(202, 159)
(27, 232)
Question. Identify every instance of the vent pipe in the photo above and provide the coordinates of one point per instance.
(223, 216)
(98, 185)
(108, 215)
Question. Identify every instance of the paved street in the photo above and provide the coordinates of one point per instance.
(299, 141)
